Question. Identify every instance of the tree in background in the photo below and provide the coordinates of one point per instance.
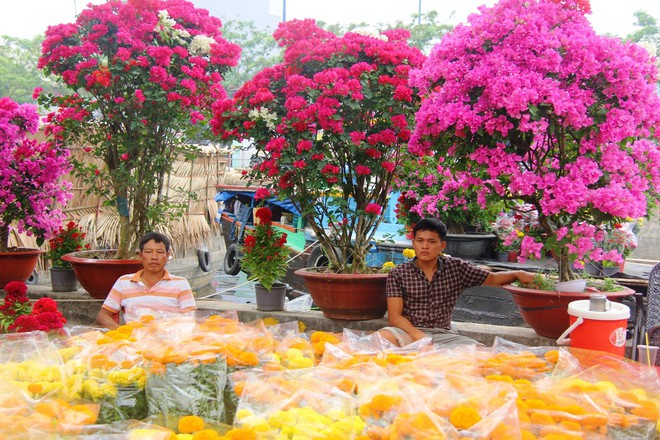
(258, 51)
(19, 75)
(649, 34)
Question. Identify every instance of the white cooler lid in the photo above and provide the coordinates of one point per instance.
(581, 309)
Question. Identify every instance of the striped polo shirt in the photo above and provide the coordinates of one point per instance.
(170, 294)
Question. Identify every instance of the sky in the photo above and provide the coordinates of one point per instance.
(28, 18)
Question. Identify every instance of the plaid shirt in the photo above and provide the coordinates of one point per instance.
(430, 304)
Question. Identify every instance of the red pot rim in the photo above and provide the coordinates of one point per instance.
(79, 257)
(25, 251)
(625, 291)
(306, 272)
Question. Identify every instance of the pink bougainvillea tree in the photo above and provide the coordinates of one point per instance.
(143, 75)
(331, 123)
(31, 171)
(527, 103)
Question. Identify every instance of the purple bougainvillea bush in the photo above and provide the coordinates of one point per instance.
(526, 103)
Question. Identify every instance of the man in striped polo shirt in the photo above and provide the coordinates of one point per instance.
(151, 288)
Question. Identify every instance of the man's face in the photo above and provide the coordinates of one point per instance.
(428, 245)
(154, 256)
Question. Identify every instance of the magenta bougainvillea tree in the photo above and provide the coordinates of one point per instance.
(31, 185)
(528, 104)
(332, 124)
(143, 75)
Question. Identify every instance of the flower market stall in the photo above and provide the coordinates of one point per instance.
(214, 377)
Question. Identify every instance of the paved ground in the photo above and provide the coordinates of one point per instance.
(648, 247)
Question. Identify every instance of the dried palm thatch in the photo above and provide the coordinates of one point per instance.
(194, 229)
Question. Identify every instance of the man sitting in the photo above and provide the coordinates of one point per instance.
(422, 293)
(150, 288)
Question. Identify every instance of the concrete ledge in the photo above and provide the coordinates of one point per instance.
(80, 309)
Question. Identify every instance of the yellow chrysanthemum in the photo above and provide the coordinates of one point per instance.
(270, 321)
(189, 424)
(463, 417)
(408, 253)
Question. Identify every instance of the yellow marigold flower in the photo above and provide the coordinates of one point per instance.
(551, 356)
(387, 266)
(408, 253)
(148, 434)
(270, 321)
(541, 419)
(241, 434)
(184, 437)
(520, 234)
(647, 409)
(526, 435)
(209, 434)
(463, 417)
(293, 353)
(301, 362)
(188, 424)
(301, 326)
(243, 414)
(279, 419)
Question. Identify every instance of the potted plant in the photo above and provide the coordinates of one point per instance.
(569, 129)
(142, 77)
(31, 187)
(331, 125)
(68, 239)
(266, 259)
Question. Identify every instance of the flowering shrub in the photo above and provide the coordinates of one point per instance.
(569, 127)
(265, 255)
(142, 75)
(425, 192)
(67, 240)
(30, 175)
(331, 123)
(17, 314)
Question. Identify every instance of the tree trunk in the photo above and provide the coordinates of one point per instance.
(4, 238)
(565, 270)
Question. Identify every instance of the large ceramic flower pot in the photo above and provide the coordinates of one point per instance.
(470, 246)
(347, 296)
(270, 300)
(18, 264)
(547, 311)
(97, 271)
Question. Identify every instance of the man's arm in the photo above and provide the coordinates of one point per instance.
(396, 319)
(105, 318)
(508, 277)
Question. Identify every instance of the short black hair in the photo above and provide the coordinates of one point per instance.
(433, 225)
(157, 237)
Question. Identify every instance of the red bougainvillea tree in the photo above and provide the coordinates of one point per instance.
(528, 104)
(332, 124)
(143, 75)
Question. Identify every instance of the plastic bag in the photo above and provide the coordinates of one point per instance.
(301, 304)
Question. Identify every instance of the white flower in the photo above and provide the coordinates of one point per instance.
(201, 44)
(265, 115)
(368, 32)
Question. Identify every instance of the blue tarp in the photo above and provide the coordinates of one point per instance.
(286, 204)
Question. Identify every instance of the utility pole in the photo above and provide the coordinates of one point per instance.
(419, 13)
(284, 10)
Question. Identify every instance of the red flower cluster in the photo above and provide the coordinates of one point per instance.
(18, 315)
(264, 215)
(67, 240)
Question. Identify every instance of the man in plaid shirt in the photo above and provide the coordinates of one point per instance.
(422, 293)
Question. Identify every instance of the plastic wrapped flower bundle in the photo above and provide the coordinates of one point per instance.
(218, 378)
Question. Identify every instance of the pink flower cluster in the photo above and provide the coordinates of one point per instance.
(30, 174)
(536, 105)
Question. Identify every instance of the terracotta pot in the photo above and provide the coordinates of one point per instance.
(97, 274)
(63, 280)
(270, 300)
(347, 296)
(18, 265)
(547, 311)
(513, 257)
